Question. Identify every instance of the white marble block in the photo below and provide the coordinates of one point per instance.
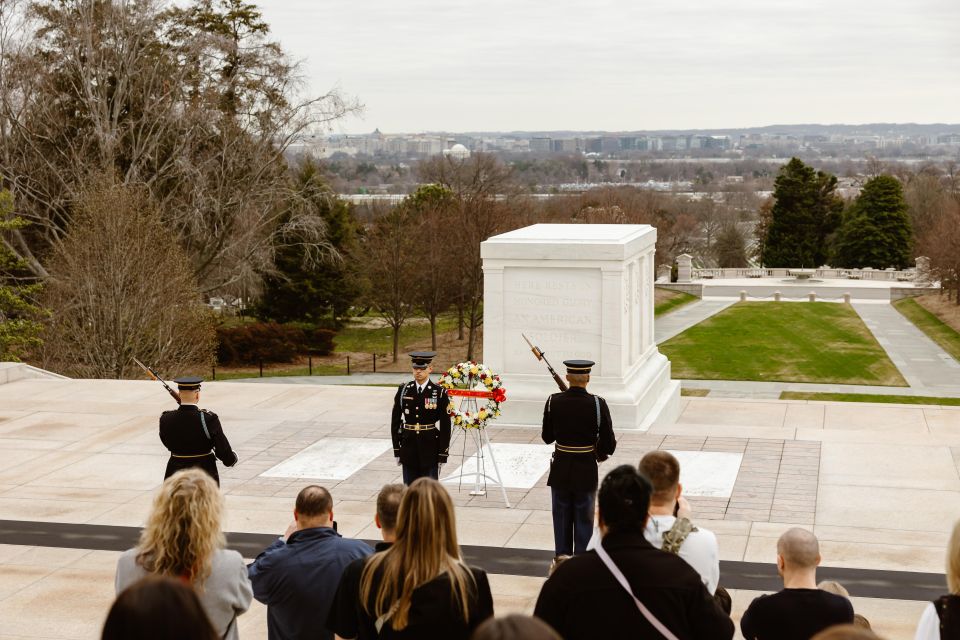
(577, 291)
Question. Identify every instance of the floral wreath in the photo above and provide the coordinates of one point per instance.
(461, 380)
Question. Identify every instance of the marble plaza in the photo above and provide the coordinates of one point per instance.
(879, 485)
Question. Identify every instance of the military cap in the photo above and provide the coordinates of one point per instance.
(420, 359)
(579, 367)
(188, 383)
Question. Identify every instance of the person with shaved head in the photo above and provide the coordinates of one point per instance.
(801, 610)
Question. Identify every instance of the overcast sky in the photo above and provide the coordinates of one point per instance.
(458, 65)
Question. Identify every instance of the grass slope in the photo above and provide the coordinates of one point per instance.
(935, 328)
(869, 397)
(666, 300)
(782, 341)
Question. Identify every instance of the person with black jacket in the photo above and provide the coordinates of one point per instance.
(583, 599)
(193, 435)
(579, 426)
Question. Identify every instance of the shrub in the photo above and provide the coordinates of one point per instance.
(271, 342)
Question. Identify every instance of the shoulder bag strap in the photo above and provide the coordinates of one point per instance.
(203, 423)
(652, 619)
(596, 401)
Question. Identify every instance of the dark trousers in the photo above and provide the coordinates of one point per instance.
(413, 471)
(572, 520)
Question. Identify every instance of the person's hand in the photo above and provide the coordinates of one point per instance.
(684, 511)
(398, 460)
(290, 529)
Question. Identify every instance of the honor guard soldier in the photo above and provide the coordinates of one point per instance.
(193, 435)
(580, 426)
(420, 424)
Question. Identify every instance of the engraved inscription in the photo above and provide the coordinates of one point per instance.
(559, 309)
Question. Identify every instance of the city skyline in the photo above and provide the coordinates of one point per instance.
(422, 65)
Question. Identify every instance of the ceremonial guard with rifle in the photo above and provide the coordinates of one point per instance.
(193, 435)
(420, 424)
(579, 425)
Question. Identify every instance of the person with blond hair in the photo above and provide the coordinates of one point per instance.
(420, 587)
(183, 540)
(941, 618)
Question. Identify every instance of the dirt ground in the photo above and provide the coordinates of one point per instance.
(947, 310)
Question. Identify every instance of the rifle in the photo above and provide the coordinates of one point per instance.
(154, 375)
(540, 356)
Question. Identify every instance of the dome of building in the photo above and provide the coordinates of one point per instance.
(458, 152)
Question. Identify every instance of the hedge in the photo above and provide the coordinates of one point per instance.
(271, 342)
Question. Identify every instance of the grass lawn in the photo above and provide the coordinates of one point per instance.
(935, 328)
(867, 397)
(666, 300)
(272, 371)
(354, 339)
(695, 393)
(784, 342)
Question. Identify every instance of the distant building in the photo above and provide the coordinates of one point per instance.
(457, 152)
(541, 145)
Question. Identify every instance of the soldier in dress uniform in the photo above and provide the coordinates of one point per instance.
(419, 444)
(580, 425)
(193, 435)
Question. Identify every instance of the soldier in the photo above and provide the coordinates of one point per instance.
(580, 424)
(418, 443)
(193, 435)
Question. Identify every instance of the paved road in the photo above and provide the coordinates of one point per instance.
(676, 322)
(924, 365)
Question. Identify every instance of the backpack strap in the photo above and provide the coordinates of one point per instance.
(674, 538)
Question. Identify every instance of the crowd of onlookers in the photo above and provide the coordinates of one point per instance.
(650, 573)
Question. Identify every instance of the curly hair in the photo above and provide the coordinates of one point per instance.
(183, 529)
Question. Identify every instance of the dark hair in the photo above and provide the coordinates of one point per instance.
(846, 632)
(388, 505)
(158, 608)
(624, 499)
(313, 501)
(663, 471)
(515, 627)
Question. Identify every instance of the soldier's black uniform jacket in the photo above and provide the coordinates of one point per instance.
(570, 420)
(420, 448)
(181, 431)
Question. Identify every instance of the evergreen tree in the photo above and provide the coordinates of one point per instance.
(805, 214)
(309, 285)
(19, 314)
(876, 229)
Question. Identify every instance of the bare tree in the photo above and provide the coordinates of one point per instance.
(121, 288)
(388, 253)
(196, 104)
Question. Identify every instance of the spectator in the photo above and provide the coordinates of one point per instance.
(344, 618)
(846, 632)
(420, 587)
(514, 627)
(831, 586)
(183, 540)
(800, 610)
(583, 598)
(670, 519)
(941, 618)
(158, 608)
(297, 575)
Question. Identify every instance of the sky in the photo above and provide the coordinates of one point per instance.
(605, 65)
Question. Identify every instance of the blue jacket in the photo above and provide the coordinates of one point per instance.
(298, 579)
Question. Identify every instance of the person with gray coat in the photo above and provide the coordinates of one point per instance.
(218, 575)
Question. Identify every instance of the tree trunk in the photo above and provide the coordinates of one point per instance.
(433, 331)
(396, 341)
(460, 318)
(472, 340)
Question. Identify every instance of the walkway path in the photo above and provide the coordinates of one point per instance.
(676, 322)
(923, 363)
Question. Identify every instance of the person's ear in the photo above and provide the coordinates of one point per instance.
(376, 520)
(296, 516)
(780, 564)
(818, 559)
(331, 514)
(679, 490)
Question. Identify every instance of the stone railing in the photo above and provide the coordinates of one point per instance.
(894, 275)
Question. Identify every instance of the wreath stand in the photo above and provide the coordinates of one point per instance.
(478, 435)
(480, 478)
